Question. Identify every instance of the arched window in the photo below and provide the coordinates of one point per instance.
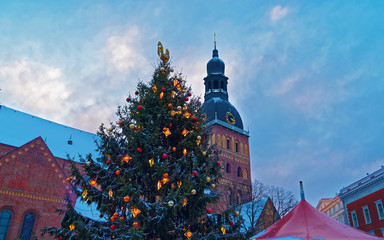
(215, 84)
(228, 143)
(26, 229)
(228, 168)
(238, 197)
(5, 221)
(245, 173)
(237, 147)
(239, 173)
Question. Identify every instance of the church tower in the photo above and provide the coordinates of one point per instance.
(228, 134)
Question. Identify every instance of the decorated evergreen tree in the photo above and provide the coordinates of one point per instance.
(157, 173)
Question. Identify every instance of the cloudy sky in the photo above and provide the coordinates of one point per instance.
(306, 76)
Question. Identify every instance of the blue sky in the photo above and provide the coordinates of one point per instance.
(306, 76)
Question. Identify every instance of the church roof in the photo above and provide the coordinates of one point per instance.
(223, 110)
(19, 127)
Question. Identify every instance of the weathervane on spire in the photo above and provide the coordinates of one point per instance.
(160, 51)
(214, 39)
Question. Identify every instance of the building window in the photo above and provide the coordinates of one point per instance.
(215, 84)
(228, 168)
(380, 210)
(26, 229)
(338, 206)
(371, 232)
(228, 142)
(367, 216)
(355, 222)
(238, 197)
(382, 231)
(329, 212)
(237, 147)
(239, 173)
(245, 173)
(5, 221)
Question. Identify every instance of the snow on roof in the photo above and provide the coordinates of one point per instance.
(247, 209)
(18, 128)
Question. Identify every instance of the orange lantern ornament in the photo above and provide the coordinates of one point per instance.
(166, 132)
(126, 199)
(135, 211)
(185, 152)
(121, 218)
(185, 202)
(184, 132)
(136, 224)
(188, 234)
(72, 227)
(158, 185)
(187, 114)
(93, 182)
(121, 122)
(161, 95)
(174, 149)
(68, 180)
(126, 158)
(117, 172)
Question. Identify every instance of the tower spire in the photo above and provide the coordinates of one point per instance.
(215, 52)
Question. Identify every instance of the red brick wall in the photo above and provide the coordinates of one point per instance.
(231, 181)
(368, 200)
(32, 180)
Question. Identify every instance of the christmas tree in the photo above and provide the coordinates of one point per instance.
(157, 173)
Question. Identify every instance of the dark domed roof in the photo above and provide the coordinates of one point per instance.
(222, 110)
(215, 66)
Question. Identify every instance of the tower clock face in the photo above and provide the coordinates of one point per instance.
(230, 118)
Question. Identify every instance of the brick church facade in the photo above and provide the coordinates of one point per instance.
(229, 136)
(33, 185)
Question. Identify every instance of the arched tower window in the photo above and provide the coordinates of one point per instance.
(245, 173)
(237, 147)
(239, 172)
(228, 168)
(5, 221)
(215, 84)
(27, 228)
(228, 143)
(238, 197)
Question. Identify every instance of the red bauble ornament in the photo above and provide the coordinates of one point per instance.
(195, 118)
(189, 94)
(219, 163)
(164, 156)
(139, 107)
(121, 123)
(108, 160)
(186, 99)
(209, 211)
(113, 227)
(163, 89)
(128, 99)
(194, 173)
(170, 125)
(198, 103)
(136, 92)
(117, 172)
(139, 149)
(101, 215)
(231, 224)
(60, 238)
